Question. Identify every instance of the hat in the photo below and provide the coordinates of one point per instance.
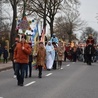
(24, 36)
(54, 34)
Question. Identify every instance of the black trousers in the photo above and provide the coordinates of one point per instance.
(65, 55)
(40, 71)
(5, 60)
(85, 60)
(54, 64)
(30, 69)
(20, 70)
(89, 59)
(74, 57)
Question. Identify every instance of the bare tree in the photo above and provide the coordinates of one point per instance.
(70, 20)
(89, 31)
(5, 18)
(47, 9)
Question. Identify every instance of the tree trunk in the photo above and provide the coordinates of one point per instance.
(70, 35)
(13, 31)
(44, 17)
(70, 39)
(51, 27)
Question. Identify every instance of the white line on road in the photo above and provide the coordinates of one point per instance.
(30, 83)
(49, 74)
(62, 68)
(68, 65)
(1, 97)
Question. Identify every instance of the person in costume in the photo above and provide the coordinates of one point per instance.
(56, 56)
(60, 52)
(89, 49)
(69, 51)
(50, 55)
(90, 40)
(41, 57)
(54, 39)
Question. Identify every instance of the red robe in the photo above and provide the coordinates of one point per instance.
(69, 56)
(90, 41)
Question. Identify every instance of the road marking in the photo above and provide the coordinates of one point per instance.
(1, 97)
(62, 68)
(49, 74)
(68, 65)
(30, 83)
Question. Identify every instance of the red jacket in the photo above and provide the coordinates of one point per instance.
(22, 55)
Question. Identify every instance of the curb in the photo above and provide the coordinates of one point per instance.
(6, 68)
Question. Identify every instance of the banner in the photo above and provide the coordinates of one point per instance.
(43, 35)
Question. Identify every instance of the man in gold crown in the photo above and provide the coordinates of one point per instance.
(89, 50)
(90, 40)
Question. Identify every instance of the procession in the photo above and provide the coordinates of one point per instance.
(48, 57)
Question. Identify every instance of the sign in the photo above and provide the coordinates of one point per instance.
(24, 25)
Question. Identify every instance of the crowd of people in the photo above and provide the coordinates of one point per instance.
(49, 56)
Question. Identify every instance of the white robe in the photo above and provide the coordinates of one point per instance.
(50, 55)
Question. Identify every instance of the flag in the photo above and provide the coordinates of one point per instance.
(24, 24)
(35, 40)
(35, 35)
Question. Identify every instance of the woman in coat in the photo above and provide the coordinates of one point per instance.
(41, 56)
(61, 50)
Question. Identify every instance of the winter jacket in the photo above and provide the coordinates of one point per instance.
(5, 53)
(22, 55)
(41, 56)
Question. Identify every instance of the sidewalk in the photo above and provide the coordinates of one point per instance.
(5, 66)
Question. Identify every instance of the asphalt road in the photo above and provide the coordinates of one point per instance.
(74, 80)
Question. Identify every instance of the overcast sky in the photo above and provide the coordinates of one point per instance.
(88, 11)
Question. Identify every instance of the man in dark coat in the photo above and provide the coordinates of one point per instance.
(5, 54)
(11, 50)
(89, 49)
(90, 40)
(89, 53)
